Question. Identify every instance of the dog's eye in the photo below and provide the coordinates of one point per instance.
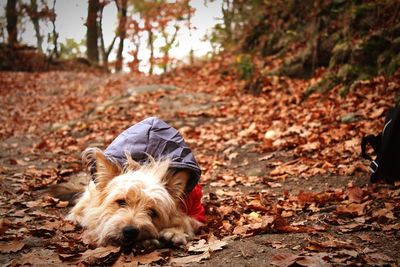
(121, 202)
(153, 213)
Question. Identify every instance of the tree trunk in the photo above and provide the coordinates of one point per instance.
(35, 21)
(151, 46)
(228, 14)
(121, 33)
(189, 20)
(12, 17)
(105, 52)
(92, 34)
(55, 33)
(104, 59)
(168, 45)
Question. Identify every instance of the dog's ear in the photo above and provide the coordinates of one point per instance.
(103, 169)
(175, 182)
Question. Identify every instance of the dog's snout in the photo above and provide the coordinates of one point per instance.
(130, 232)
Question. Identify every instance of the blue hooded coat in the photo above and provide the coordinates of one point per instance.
(156, 138)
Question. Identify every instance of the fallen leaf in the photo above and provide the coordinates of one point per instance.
(4, 224)
(378, 259)
(352, 227)
(287, 213)
(289, 259)
(148, 258)
(191, 259)
(240, 230)
(96, 256)
(333, 243)
(278, 245)
(383, 214)
(38, 257)
(349, 252)
(312, 261)
(274, 185)
(211, 246)
(365, 237)
(12, 246)
(352, 209)
(355, 194)
(67, 256)
(62, 204)
(283, 259)
(266, 157)
(391, 227)
(377, 113)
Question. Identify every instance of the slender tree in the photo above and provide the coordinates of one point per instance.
(170, 19)
(12, 18)
(189, 21)
(54, 36)
(133, 30)
(158, 18)
(122, 10)
(105, 52)
(150, 43)
(92, 33)
(169, 42)
(35, 16)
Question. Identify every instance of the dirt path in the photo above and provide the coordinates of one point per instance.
(265, 219)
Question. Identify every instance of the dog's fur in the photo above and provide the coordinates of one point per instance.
(133, 203)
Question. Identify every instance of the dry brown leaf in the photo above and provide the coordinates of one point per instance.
(355, 194)
(289, 259)
(365, 237)
(212, 245)
(240, 230)
(274, 185)
(333, 243)
(352, 209)
(93, 256)
(191, 259)
(352, 227)
(124, 261)
(383, 214)
(67, 256)
(378, 259)
(62, 204)
(40, 256)
(4, 224)
(312, 146)
(225, 209)
(391, 227)
(377, 113)
(278, 245)
(282, 225)
(147, 258)
(12, 246)
(284, 259)
(312, 261)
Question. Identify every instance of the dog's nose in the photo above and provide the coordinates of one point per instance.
(130, 232)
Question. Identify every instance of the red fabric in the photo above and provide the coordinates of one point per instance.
(193, 206)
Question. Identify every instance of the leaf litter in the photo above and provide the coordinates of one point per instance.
(43, 133)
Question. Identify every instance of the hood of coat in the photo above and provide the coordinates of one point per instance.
(158, 139)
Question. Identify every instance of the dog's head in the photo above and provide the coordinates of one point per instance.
(131, 203)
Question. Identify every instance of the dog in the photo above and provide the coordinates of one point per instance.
(144, 189)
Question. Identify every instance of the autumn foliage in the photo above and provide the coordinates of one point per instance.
(272, 163)
(283, 180)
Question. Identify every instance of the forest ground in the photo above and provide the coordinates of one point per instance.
(282, 177)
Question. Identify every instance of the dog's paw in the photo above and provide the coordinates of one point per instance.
(150, 244)
(174, 236)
